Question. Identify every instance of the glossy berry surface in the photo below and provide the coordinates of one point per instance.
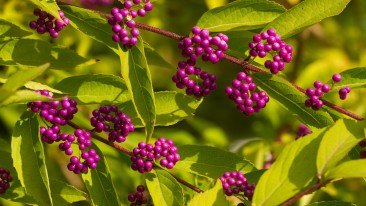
(168, 153)
(336, 77)
(245, 94)
(140, 197)
(270, 42)
(112, 120)
(48, 23)
(302, 131)
(142, 157)
(234, 183)
(343, 92)
(88, 160)
(315, 94)
(5, 180)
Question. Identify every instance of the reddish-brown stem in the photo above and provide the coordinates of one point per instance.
(305, 192)
(128, 152)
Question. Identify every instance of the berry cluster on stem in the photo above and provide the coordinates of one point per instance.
(48, 23)
(140, 197)
(315, 94)
(302, 131)
(235, 183)
(5, 180)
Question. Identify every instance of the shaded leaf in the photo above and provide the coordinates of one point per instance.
(212, 197)
(93, 89)
(164, 189)
(240, 15)
(305, 14)
(29, 160)
(332, 203)
(154, 58)
(50, 6)
(136, 74)
(8, 29)
(64, 194)
(210, 161)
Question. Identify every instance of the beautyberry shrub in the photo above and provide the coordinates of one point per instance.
(5, 180)
(48, 23)
(140, 197)
(236, 183)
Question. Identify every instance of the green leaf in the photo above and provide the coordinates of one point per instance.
(21, 77)
(50, 6)
(29, 160)
(210, 161)
(305, 14)
(64, 194)
(164, 189)
(136, 74)
(253, 177)
(349, 169)
(31, 52)
(337, 142)
(293, 171)
(292, 99)
(99, 183)
(332, 203)
(8, 29)
(92, 24)
(171, 107)
(354, 78)
(92, 89)
(154, 58)
(212, 197)
(240, 15)
(22, 96)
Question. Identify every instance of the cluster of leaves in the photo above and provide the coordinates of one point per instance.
(301, 167)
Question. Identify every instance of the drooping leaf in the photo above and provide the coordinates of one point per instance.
(332, 203)
(171, 107)
(92, 24)
(21, 97)
(293, 171)
(29, 159)
(292, 99)
(99, 183)
(164, 189)
(337, 142)
(305, 14)
(210, 161)
(64, 194)
(348, 169)
(8, 29)
(92, 89)
(212, 197)
(136, 74)
(31, 52)
(240, 15)
(354, 78)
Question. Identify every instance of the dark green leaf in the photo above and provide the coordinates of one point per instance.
(8, 29)
(31, 52)
(164, 189)
(305, 14)
(171, 107)
(332, 203)
(92, 89)
(136, 74)
(212, 197)
(99, 183)
(210, 161)
(293, 171)
(64, 194)
(155, 59)
(292, 99)
(29, 159)
(240, 15)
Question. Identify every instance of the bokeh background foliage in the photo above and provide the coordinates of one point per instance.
(334, 45)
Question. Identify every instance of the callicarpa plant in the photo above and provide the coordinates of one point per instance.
(172, 103)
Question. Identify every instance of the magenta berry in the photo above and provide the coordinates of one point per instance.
(234, 183)
(5, 180)
(48, 23)
(76, 165)
(110, 119)
(343, 92)
(337, 77)
(270, 42)
(315, 94)
(302, 131)
(140, 197)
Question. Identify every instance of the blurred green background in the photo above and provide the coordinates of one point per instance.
(334, 45)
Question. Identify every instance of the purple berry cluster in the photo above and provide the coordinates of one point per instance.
(5, 180)
(143, 156)
(315, 94)
(302, 131)
(270, 42)
(122, 21)
(235, 182)
(210, 49)
(90, 159)
(140, 197)
(242, 92)
(362, 145)
(48, 23)
(344, 91)
(96, 3)
(110, 119)
(55, 112)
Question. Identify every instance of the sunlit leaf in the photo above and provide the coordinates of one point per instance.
(212, 197)
(8, 29)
